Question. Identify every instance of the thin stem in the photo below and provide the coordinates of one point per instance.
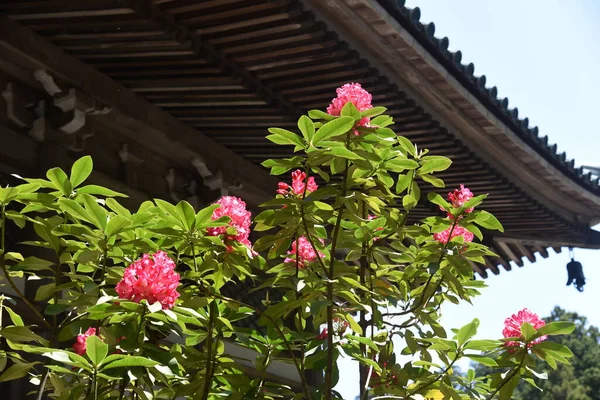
(507, 379)
(11, 282)
(263, 367)
(363, 369)
(209, 344)
(139, 330)
(421, 301)
(95, 384)
(440, 376)
(43, 385)
(336, 231)
(305, 387)
(104, 255)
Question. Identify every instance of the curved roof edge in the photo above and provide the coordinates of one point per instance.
(438, 48)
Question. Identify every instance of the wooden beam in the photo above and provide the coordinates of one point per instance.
(541, 250)
(544, 241)
(530, 256)
(505, 248)
(155, 128)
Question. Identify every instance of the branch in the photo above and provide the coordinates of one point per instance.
(305, 387)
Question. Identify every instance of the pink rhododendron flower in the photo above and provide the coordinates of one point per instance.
(299, 182)
(458, 198)
(303, 251)
(234, 208)
(153, 279)
(80, 345)
(355, 94)
(444, 236)
(282, 188)
(512, 326)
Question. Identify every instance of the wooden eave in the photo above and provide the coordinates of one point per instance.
(186, 79)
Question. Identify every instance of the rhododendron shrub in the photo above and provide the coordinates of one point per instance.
(158, 301)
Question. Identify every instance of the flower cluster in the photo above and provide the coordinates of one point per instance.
(299, 184)
(355, 94)
(304, 252)
(234, 208)
(153, 279)
(80, 345)
(445, 236)
(512, 327)
(458, 198)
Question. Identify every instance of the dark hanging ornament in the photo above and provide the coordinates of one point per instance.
(575, 271)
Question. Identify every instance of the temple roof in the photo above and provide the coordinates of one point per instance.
(208, 78)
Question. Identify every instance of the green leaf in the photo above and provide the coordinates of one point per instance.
(400, 164)
(407, 146)
(333, 128)
(205, 215)
(20, 334)
(488, 221)
(128, 362)
(16, 371)
(556, 350)
(283, 136)
(344, 153)
(487, 361)
(483, 345)
(467, 332)
(80, 170)
(507, 390)
(439, 200)
(7, 194)
(34, 264)
(186, 214)
(307, 127)
(373, 112)
(14, 317)
(350, 110)
(74, 209)
(556, 328)
(382, 121)
(431, 164)
(362, 340)
(95, 349)
(96, 212)
(408, 202)
(44, 292)
(116, 224)
(60, 180)
(436, 182)
(117, 208)
(538, 375)
(318, 114)
(527, 330)
(99, 191)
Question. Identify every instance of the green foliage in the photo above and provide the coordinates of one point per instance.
(376, 278)
(578, 381)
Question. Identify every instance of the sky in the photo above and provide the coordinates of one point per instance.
(544, 56)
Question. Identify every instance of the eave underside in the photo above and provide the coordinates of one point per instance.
(232, 68)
